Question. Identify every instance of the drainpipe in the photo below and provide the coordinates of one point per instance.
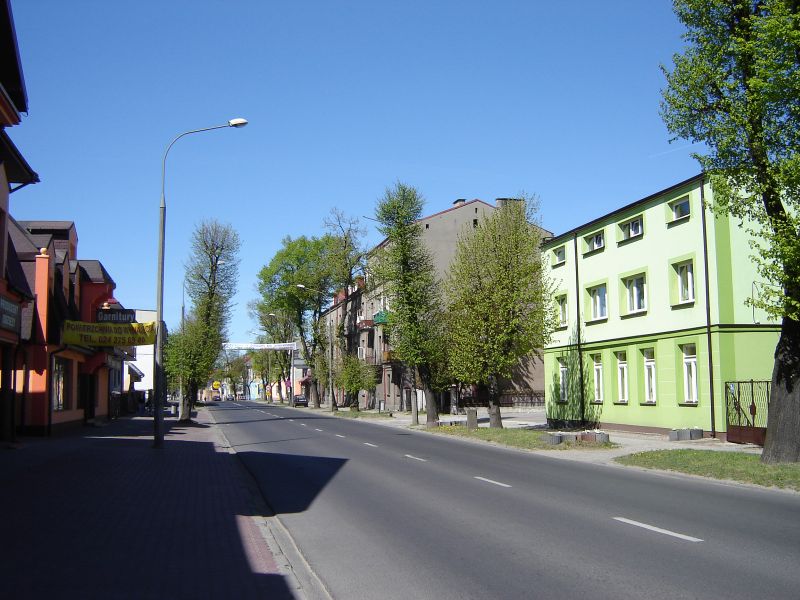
(708, 307)
(578, 326)
(50, 368)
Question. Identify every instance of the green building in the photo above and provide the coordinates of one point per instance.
(654, 330)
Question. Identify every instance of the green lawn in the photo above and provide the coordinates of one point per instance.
(529, 439)
(736, 466)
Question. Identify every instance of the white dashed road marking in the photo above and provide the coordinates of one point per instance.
(680, 536)
(492, 481)
(339, 435)
(370, 445)
(315, 429)
(416, 458)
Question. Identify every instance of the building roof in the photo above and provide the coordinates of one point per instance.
(11, 76)
(17, 168)
(47, 226)
(588, 225)
(95, 271)
(25, 245)
(15, 276)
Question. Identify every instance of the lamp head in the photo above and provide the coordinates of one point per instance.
(238, 122)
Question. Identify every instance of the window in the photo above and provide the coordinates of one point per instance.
(562, 310)
(596, 241)
(680, 208)
(632, 229)
(474, 223)
(598, 378)
(559, 256)
(598, 296)
(636, 293)
(622, 377)
(685, 282)
(689, 374)
(563, 378)
(62, 385)
(649, 376)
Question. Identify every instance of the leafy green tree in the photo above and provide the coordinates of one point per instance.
(403, 267)
(352, 376)
(570, 404)
(498, 298)
(736, 88)
(300, 261)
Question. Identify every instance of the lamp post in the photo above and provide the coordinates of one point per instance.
(159, 382)
(330, 345)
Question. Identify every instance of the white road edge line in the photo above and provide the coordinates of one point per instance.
(339, 435)
(493, 481)
(416, 458)
(371, 445)
(688, 538)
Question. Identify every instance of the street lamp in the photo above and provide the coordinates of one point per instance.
(330, 345)
(159, 382)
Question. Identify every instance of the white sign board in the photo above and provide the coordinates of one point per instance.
(237, 346)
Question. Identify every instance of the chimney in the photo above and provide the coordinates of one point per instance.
(460, 202)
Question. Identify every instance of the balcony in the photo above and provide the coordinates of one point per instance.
(381, 318)
(365, 324)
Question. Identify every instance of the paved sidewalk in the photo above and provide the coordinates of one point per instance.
(101, 514)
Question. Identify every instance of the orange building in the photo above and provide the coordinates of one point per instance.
(15, 173)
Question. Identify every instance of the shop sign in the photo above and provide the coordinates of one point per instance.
(109, 334)
(127, 315)
(9, 314)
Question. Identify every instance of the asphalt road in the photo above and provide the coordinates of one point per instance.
(381, 512)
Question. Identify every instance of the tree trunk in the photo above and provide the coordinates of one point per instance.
(414, 406)
(185, 411)
(431, 408)
(313, 393)
(495, 419)
(334, 404)
(782, 444)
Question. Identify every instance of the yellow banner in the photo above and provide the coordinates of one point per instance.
(109, 334)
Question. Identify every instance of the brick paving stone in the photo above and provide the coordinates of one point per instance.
(100, 513)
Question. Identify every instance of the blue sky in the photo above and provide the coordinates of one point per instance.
(462, 99)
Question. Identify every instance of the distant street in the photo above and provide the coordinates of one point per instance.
(382, 512)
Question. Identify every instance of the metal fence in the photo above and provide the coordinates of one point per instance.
(747, 404)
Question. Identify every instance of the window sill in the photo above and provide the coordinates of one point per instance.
(596, 321)
(633, 238)
(598, 402)
(634, 313)
(621, 403)
(688, 404)
(647, 403)
(683, 304)
(594, 251)
(561, 327)
(558, 264)
(678, 221)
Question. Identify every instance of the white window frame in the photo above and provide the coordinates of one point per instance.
(689, 352)
(650, 383)
(675, 208)
(685, 291)
(559, 255)
(622, 377)
(633, 285)
(598, 378)
(563, 310)
(563, 379)
(596, 241)
(629, 226)
(599, 301)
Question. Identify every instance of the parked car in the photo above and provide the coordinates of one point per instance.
(300, 400)
(229, 397)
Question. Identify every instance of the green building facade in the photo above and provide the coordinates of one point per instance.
(654, 325)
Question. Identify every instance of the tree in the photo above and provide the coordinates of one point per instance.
(300, 261)
(211, 277)
(353, 376)
(571, 389)
(403, 267)
(498, 298)
(736, 88)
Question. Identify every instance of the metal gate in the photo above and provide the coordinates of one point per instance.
(747, 403)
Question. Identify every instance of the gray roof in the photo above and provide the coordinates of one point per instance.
(95, 271)
(47, 225)
(24, 243)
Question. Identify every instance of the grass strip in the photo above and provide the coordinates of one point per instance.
(528, 439)
(359, 414)
(736, 466)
